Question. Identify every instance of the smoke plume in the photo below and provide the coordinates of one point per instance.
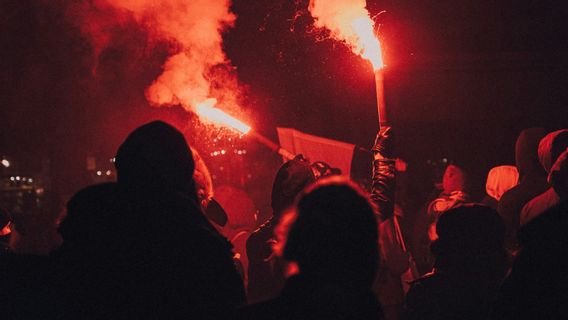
(347, 21)
(196, 68)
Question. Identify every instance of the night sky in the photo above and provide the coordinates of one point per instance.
(463, 78)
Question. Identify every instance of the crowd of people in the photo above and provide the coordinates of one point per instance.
(153, 243)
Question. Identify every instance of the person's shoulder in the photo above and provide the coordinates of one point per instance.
(94, 193)
(551, 224)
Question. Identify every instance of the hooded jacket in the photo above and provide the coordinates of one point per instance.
(151, 253)
(532, 182)
(549, 149)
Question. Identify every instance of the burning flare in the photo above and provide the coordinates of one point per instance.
(349, 22)
(207, 111)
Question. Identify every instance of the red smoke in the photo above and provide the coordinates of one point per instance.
(197, 68)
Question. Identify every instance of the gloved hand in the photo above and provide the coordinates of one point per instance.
(383, 186)
(384, 143)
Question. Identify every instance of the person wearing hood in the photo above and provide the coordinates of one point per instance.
(532, 182)
(142, 247)
(499, 180)
(265, 273)
(536, 285)
(549, 149)
(453, 194)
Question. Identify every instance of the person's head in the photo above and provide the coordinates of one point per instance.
(334, 234)
(454, 179)
(526, 151)
(470, 236)
(292, 177)
(551, 146)
(500, 179)
(156, 157)
(558, 177)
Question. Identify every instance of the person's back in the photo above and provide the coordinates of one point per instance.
(144, 248)
(265, 273)
(532, 182)
(538, 282)
(470, 263)
(333, 242)
(549, 149)
(537, 287)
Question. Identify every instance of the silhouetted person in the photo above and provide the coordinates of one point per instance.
(454, 193)
(549, 148)
(470, 263)
(141, 247)
(532, 182)
(499, 180)
(265, 274)
(333, 241)
(265, 271)
(537, 287)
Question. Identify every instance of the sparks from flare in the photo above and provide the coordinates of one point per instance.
(207, 111)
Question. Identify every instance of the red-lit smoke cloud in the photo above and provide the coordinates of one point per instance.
(349, 21)
(196, 69)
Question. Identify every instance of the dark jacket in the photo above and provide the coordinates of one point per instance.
(265, 271)
(470, 264)
(532, 182)
(537, 287)
(305, 298)
(139, 248)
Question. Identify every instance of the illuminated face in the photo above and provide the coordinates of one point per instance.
(454, 179)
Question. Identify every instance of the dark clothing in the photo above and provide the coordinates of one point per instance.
(490, 202)
(265, 271)
(27, 287)
(139, 248)
(4, 242)
(537, 287)
(441, 296)
(470, 264)
(153, 262)
(513, 201)
(303, 298)
(532, 182)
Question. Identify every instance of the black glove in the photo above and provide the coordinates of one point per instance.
(383, 186)
(384, 142)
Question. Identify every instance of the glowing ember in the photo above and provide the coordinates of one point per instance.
(207, 111)
(349, 21)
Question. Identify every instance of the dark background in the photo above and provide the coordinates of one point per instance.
(463, 78)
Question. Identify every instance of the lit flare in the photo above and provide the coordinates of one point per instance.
(207, 111)
(367, 43)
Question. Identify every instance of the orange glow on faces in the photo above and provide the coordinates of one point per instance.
(207, 111)
(367, 44)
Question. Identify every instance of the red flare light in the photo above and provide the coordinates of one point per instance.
(367, 44)
(208, 112)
